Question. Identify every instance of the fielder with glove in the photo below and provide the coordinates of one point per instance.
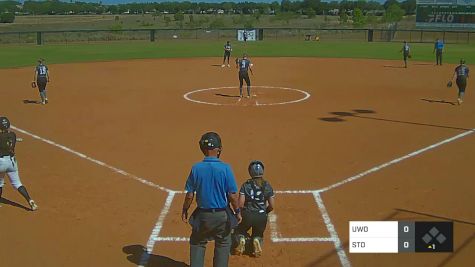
(42, 78)
(461, 76)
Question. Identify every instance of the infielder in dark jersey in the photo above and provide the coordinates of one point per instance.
(244, 65)
(8, 163)
(256, 198)
(42, 78)
(461, 75)
(227, 53)
(406, 52)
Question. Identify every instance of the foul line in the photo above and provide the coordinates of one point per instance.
(98, 162)
(156, 230)
(331, 229)
(394, 161)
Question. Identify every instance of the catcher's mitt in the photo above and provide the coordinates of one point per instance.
(449, 84)
(33, 84)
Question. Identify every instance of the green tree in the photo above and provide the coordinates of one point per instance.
(358, 18)
(343, 17)
(7, 18)
(167, 20)
(310, 12)
(409, 7)
(393, 14)
(179, 16)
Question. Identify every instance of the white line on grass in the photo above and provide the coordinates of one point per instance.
(98, 162)
(156, 230)
(394, 161)
(331, 229)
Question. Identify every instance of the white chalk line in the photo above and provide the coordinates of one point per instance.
(187, 95)
(156, 230)
(98, 162)
(275, 240)
(332, 231)
(394, 161)
(330, 227)
(276, 237)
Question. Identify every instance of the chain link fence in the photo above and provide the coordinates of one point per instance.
(364, 35)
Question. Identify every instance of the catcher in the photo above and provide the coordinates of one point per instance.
(256, 198)
(42, 78)
(461, 76)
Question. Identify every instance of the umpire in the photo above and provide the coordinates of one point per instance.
(438, 50)
(214, 184)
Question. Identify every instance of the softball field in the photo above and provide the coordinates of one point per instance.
(341, 139)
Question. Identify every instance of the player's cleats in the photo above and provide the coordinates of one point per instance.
(46, 100)
(257, 247)
(33, 205)
(239, 250)
(222, 66)
(229, 66)
(459, 101)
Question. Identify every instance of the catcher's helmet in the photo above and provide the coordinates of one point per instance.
(210, 141)
(4, 123)
(256, 169)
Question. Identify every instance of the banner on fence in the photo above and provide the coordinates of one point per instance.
(249, 35)
(445, 14)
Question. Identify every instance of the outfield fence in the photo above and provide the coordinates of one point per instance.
(153, 35)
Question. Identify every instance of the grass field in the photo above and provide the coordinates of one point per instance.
(26, 55)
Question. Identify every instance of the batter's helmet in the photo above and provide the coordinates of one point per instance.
(4, 123)
(462, 61)
(256, 169)
(210, 141)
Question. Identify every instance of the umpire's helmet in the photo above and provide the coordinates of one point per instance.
(210, 141)
(256, 169)
(4, 123)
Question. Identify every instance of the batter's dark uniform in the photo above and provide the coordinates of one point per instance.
(41, 81)
(254, 213)
(244, 65)
(462, 75)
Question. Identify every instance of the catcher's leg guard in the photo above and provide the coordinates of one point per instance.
(257, 245)
(240, 246)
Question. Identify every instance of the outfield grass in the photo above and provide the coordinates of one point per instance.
(26, 55)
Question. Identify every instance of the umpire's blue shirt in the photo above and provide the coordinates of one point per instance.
(212, 180)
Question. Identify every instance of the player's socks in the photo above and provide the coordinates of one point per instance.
(24, 193)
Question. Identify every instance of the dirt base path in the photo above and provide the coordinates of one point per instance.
(313, 122)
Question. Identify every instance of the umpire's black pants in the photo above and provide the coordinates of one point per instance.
(438, 57)
(212, 225)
